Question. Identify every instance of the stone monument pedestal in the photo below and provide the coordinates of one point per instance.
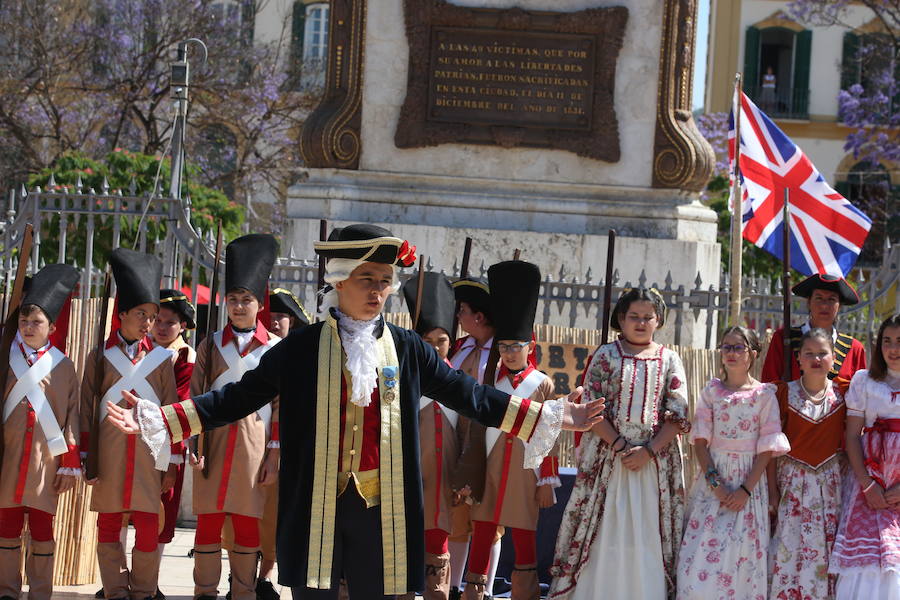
(535, 125)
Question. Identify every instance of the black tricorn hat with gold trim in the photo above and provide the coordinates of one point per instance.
(248, 263)
(831, 283)
(516, 285)
(178, 302)
(137, 278)
(369, 243)
(49, 288)
(475, 293)
(438, 302)
(283, 301)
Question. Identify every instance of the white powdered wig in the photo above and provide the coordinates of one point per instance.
(339, 269)
(357, 337)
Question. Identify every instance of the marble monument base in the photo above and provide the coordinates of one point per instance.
(560, 227)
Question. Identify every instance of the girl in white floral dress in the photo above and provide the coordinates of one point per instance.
(866, 554)
(620, 532)
(805, 484)
(735, 431)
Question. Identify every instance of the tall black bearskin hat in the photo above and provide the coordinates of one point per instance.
(283, 301)
(438, 302)
(178, 302)
(248, 263)
(367, 243)
(515, 287)
(819, 281)
(50, 288)
(137, 278)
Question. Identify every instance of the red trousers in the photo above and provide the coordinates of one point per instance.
(209, 529)
(12, 522)
(170, 502)
(436, 541)
(145, 524)
(524, 542)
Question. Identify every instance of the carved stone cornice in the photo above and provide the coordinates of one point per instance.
(682, 158)
(330, 135)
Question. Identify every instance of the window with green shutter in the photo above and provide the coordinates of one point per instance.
(751, 58)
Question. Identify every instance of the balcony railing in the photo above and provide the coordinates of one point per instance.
(781, 103)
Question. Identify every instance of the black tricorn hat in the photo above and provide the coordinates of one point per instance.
(248, 263)
(178, 302)
(283, 301)
(50, 287)
(438, 302)
(515, 286)
(366, 242)
(137, 278)
(475, 293)
(831, 283)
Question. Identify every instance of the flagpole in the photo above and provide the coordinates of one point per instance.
(786, 284)
(734, 308)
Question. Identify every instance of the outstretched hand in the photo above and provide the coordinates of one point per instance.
(123, 418)
(581, 417)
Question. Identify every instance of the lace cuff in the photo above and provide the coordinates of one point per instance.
(176, 459)
(275, 444)
(546, 431)
(69, 471)
(554, 482)
(154, 433)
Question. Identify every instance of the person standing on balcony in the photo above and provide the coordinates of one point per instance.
(826, 295)
(767, 97)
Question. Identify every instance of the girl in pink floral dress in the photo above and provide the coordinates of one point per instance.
(866, 555)
(620, 532)
(735, 431)
(805, 484)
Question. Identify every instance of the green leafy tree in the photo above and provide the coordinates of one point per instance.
(122, 169)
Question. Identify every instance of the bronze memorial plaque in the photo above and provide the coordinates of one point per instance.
(512, 78)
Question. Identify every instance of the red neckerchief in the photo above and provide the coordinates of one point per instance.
(27, 354)
(517, 378)
(115, 339)
(261, 335)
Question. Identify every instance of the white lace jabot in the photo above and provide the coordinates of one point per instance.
(358, 340)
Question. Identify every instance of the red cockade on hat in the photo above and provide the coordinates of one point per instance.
(406, 254)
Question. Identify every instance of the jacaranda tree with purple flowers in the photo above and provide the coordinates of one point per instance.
(94, 76)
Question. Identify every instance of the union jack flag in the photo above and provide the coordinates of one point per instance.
(826, 230)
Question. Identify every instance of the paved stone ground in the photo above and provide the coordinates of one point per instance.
(176, 572)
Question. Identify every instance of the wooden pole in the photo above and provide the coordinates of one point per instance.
(607, 289)
(200, 444)
(735, 300)
(92, 463)
(323, 235)
(463, 273)
(517, 254)
(420, 288)
(786, 284)
(11, 325)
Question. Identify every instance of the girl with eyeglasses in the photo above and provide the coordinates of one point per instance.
(736, 431)
(622, 526)
(805, 483)
(866, 555)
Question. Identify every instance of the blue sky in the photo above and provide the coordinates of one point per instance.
(701, 52)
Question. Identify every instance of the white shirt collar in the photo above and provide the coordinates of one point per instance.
(807, 326)
(131, 350)
(30, 353)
